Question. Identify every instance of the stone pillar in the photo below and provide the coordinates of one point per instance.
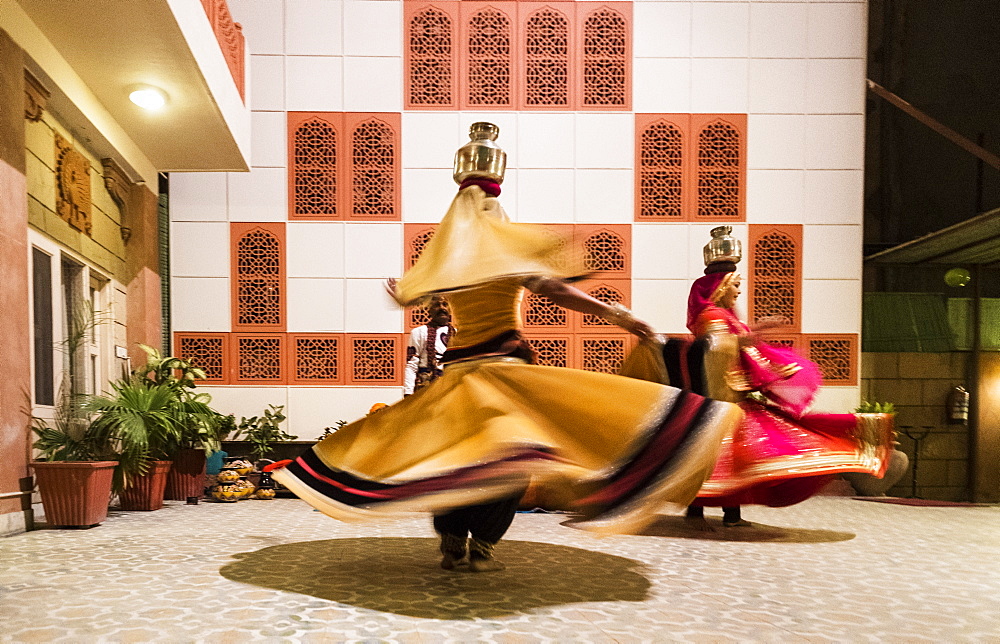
(142, 273)
(15, 348)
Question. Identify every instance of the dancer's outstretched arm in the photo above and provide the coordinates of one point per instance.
(570, 297)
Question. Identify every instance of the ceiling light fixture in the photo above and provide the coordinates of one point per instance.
(149, 98)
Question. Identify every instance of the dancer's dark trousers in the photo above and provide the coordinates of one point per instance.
(487, 522)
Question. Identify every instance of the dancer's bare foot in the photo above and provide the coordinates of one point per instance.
(698, 523)
(450, 562)
(740, 523)
(485, 565)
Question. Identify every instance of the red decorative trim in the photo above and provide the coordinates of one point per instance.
(604, 55)
(258, 276)
(836, 355)
(316, 358)
(231, 40)
(430, 55)
(775, 273)
(374, 359)
(207, 351)
(259, 359)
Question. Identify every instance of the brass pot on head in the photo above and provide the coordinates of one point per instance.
(481, 157)
(723, 247)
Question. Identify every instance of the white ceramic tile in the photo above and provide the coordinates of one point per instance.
(831, 306)
(270, 139)
(545, 196)
(834, 197)
(373, 84)
(719, 85)
(605, 196)
(263, 24)
(700, 234)
(430, 139)
(605, 140)
(778, 86)
(775, 142)
(188, 298)
(311, 409)
(662, 29)
(427, 194)
(836, 86)
(774, 196)
(245, 401)
(661, 85)
(720, 30)
(832, 252)
(198, 196)
(662, 303)
(267, 77)
(508, 193)
(835, 142)
(659, 251)
(837, 400)
(258, 195)
(545, 140)
(369, 309)
(314, 249)
(313, 27)
(373, 28)
(199, 249)
(373, 250)
(315, 305)
(314, 84)
(779, 30)
(838, 30)
(507, 139)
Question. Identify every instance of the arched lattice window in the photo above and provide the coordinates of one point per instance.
(259, 276)
(606, 58)
(314, 169)
(661, 172)
(373, 170)
(607, 294)
(489, 59)
(718, 172)
(604, 354)
(605, 251)
(430, 49)
(417, 239)
(546, 60)
(540, 311)
(775, 279)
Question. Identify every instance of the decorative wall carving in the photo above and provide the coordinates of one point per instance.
(36, 97)
(231, 40)
(775, 266)
(207, 351)
(489, 66)
(73, 200)
(120, 187)
(316, 358)
(836, 355)
(606, 59)
(258, 277)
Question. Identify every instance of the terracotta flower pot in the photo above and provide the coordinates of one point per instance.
(145, 492)
(74, 493)
(187, 476)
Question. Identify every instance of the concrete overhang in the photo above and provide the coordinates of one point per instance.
(973, 241)
(92, 53)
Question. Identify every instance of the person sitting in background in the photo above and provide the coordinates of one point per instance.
(426, 346)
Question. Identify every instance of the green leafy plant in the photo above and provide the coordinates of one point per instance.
(875, 408)
(263, 431)
(332, 430)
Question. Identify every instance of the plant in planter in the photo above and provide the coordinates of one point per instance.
(263, 431)
(866, 484)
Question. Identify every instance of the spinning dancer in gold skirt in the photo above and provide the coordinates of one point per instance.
(617, 450)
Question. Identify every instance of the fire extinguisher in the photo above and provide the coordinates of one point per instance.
(958, 405)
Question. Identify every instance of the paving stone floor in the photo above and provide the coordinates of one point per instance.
(832, 569)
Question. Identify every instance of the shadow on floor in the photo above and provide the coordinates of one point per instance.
(401, 576)
(669, 526)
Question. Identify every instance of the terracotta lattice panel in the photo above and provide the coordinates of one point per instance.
(430, 55)
(604, 55)
(539, 312)
(661, 152)
(836, 355)
(207, 351)
(788, 340)
(343, 166)
(374, 359)
(258, 276)
(316, 358)
(607, 249)
(553, 350)
(259, 358)
(489, 65)
(547, 50)
(603, 353)
(415, 237)
(719, 168)
(775, 273)
(609, 291)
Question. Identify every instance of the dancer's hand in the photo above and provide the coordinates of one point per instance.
(390, 287)
(640, 329)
